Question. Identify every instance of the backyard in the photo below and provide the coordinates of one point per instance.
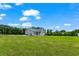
(21, 45)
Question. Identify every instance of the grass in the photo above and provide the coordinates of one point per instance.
(11, 45)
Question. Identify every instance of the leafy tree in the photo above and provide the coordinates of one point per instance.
(62, 31)
(5, 29)
(49, 32)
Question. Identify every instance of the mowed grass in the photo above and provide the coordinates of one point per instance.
(13, 45)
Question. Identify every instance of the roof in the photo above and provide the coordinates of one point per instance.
(35, 29)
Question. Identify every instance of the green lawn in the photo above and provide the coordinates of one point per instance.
(39, 45)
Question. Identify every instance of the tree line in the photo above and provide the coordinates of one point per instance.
(5, 29)
(62, 32)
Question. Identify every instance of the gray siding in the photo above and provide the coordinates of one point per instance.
(35, 32)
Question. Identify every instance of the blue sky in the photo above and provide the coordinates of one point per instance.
(56, 16)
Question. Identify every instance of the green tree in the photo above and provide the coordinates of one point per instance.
(62, 31)
(49, 32)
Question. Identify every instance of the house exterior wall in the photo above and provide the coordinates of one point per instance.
(42, 33)
(77, 34)
(33, 32)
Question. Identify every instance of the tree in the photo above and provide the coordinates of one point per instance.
(49, 32)
(5, 29)
(62, 31)
(74, 32)
(56, 31)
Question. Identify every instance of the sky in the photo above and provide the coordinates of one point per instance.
(55, 16)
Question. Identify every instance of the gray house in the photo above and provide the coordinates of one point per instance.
(35, 32)
(77, 34)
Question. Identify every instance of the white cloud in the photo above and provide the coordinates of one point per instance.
(18, 4)
(57, 27)
(2, 15)
(67, 24)
(27, 24)
(31, 12)
(14, 25)
(5, 6)
(38, 17)
(0, 18)
(24, 18)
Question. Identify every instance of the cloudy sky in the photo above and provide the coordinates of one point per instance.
(50, 16)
